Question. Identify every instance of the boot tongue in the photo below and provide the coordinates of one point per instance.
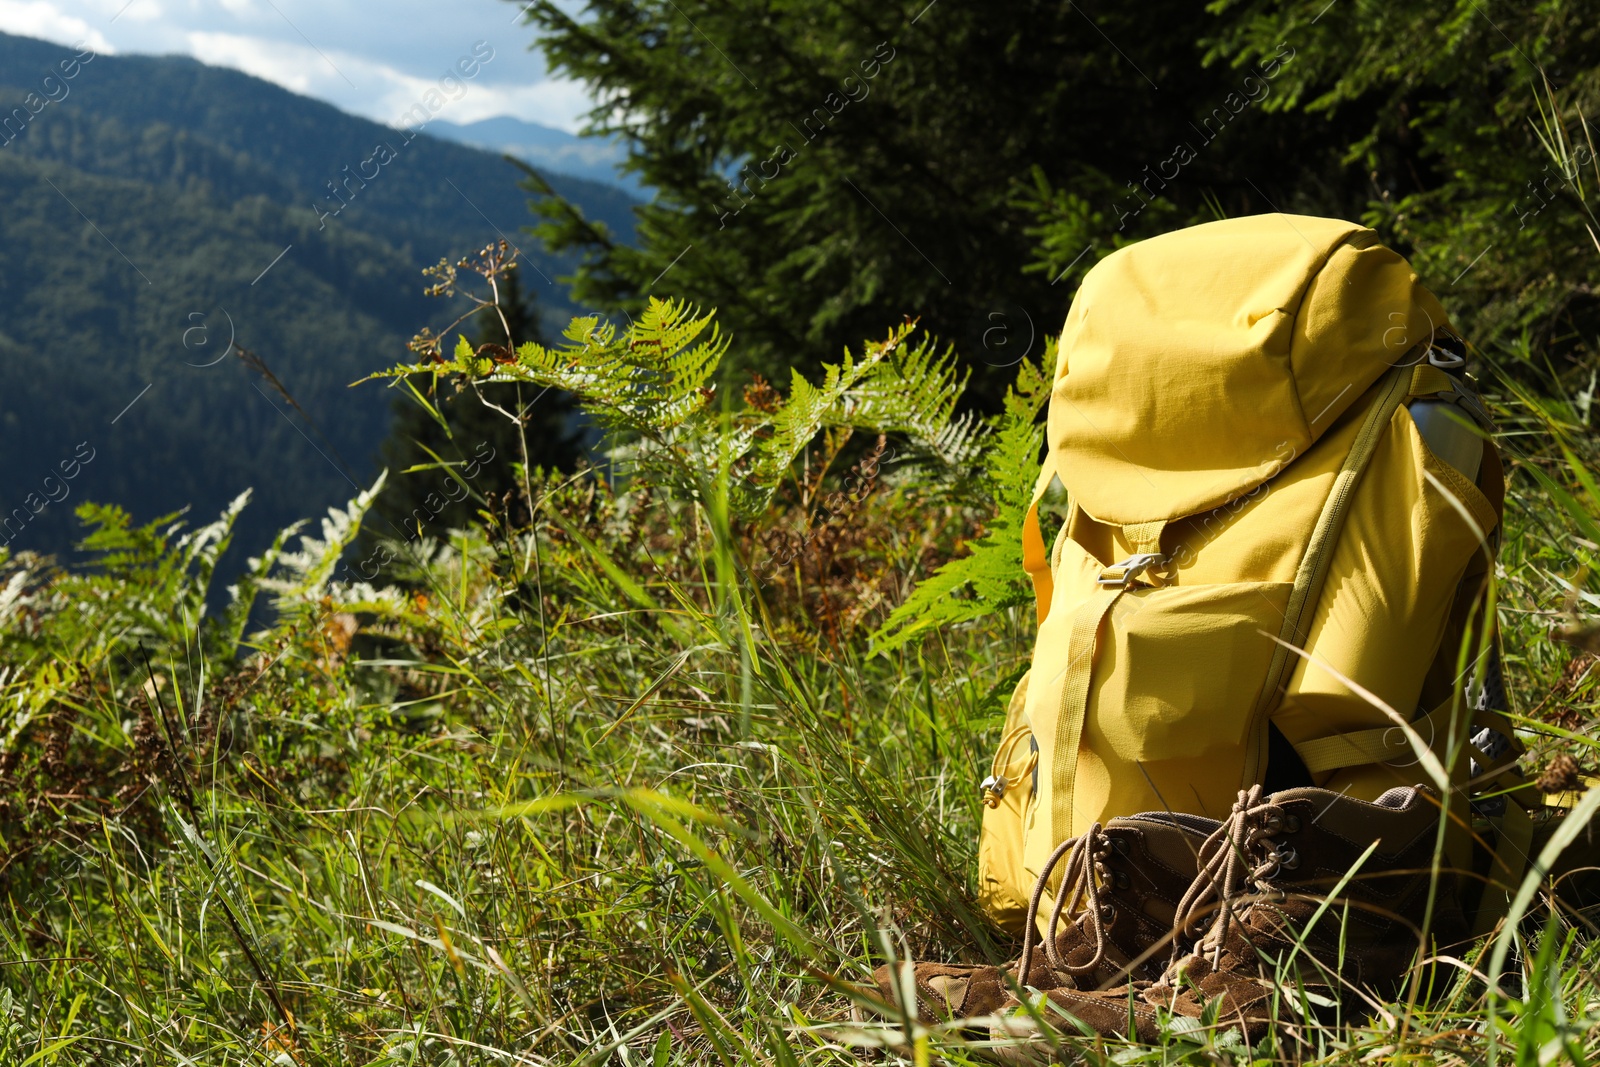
(952, 988)
(1183, 820)
(1397, 798)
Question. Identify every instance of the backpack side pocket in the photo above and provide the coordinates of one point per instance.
(1008, 793)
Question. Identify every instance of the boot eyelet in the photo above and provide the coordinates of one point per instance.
(1280, 822)
(1288, 858)
(1121, 845)
(1121, 880)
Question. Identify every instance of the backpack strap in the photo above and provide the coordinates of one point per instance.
(1431, 380)
(1514, 838)
(1511, 822)
(1392, 390)
(1144, 544)
(1384, 743)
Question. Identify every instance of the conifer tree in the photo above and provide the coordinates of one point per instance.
(823, 168)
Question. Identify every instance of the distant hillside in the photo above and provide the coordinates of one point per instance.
(148, 201)
(543, 147)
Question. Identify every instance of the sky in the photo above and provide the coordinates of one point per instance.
(373, 58)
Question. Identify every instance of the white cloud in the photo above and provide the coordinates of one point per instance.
(293, 66)
(555, 102)
(41, 18)
(384, 92)
(138, 11)
(339, 51)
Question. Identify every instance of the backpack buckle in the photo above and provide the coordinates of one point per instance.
(994, 790)
(1445, 359)
(1119, 575)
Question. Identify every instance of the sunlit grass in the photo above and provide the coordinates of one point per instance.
(628, 785)
(590, 792)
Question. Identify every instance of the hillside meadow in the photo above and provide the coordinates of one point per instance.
(652, 761)
(653, 776)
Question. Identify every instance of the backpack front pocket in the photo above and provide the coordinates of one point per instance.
(1178, 669)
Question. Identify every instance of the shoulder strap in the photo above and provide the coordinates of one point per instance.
(1144, 540)
(1391, 391)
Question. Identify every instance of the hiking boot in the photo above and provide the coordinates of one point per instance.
(1264, 885)
(1288, 870)
(1120, 889)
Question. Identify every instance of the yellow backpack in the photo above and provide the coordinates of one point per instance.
(1235, 420)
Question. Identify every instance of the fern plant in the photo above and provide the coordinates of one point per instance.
(150, 583)
(299, 579)
(989, 578)
(651, 387)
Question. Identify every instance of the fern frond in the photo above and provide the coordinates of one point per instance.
(304, 574)
(853, 394)
(914, 393)
(14, 596)
(967, 588)
(650, 380)
(650, 387)
(200, 549)
(990, 578)
(242, 595)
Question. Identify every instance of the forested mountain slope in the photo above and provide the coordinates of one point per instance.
(154, 207)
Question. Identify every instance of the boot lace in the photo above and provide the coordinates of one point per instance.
(1082, 879)
(1242, 855)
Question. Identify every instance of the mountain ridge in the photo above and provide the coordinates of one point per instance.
(545, 148)
(161, 207)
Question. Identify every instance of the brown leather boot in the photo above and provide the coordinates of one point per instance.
(1295, 901)
(1119, 892)
(1287, 901)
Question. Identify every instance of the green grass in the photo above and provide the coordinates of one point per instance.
(599, 788)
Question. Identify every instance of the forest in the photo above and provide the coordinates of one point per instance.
(144, 209)
(637, 709)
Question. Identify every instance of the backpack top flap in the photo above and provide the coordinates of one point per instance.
(1196, 365)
